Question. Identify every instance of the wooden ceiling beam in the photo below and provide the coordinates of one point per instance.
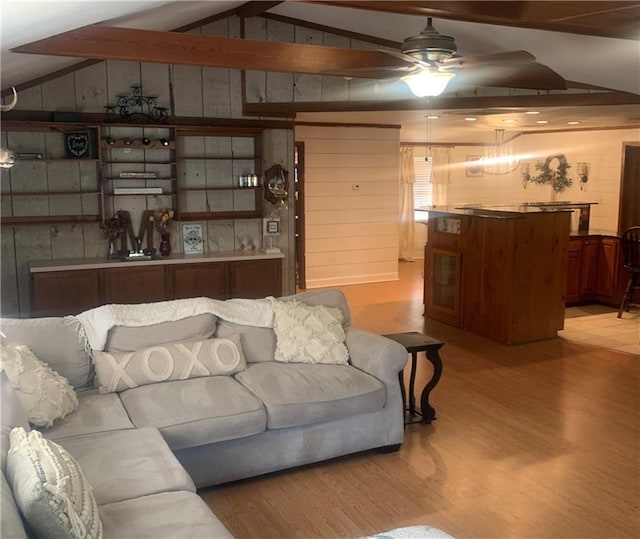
(593, 18)
(289, 110)
(115, 43)
(255, 8)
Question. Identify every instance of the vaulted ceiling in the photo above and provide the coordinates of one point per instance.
(594, 45)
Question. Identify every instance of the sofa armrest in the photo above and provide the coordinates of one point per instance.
(375, 354)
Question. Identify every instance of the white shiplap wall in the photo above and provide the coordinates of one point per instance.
(351, 233)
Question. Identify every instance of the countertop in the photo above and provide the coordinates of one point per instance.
(37, 266)
(507, 211)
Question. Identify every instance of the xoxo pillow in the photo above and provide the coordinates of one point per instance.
(118, 371)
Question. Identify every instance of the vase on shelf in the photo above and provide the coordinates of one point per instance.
(165, 243)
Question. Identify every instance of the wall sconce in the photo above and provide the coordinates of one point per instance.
(583, 175)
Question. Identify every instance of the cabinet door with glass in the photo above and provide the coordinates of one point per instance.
(442, 283)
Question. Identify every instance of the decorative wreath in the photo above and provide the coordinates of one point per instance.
(557, 178)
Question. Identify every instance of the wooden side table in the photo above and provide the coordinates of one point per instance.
(416, 342)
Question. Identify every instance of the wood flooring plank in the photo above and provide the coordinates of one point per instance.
(531, 441)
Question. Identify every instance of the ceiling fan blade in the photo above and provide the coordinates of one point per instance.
(115, 43)
(531, 76)
(498, 58)
(384, 72)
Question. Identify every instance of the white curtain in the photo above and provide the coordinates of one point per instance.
(440, 174)
(407, 219)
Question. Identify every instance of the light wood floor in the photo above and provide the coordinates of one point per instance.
(532, 441)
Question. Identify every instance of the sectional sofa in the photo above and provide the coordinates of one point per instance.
(147, 438)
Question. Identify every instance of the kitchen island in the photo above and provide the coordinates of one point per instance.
(498, 271)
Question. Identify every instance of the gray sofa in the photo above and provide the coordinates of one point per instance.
(146, 450)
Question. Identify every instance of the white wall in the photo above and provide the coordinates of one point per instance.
(351, 235)
(601, 149)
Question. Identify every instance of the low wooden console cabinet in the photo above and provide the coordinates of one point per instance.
(71, 286)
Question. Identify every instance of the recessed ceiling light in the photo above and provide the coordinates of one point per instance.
(509, 121)
(532, 112)
(573, 122)
(542, 122)
(432, 117)
(470, 119)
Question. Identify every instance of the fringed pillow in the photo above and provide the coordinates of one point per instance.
(43, 393)
(309, 334)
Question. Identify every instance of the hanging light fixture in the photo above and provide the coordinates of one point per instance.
(428, 83)
(498, 159)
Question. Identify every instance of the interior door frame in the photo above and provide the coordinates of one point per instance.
(299, 216)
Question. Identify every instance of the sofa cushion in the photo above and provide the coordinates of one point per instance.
(192, 328)
(11, 525)
(44, 394)
(308, 333)
(258, 344)
(50, 488)
(12, 414)
(56, 341)
(117, 371)
(95, 413)
(297, 394)
(331, 297)
(170, 515)
(126, 464)
(197, 411)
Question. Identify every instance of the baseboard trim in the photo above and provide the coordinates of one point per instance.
(352, 279)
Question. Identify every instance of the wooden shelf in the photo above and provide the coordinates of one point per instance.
(238, 188)
(48, 219)
(222, 158)
(49, 193)
(137, 144)
(172, 194)
(206, 215)
(167, 163)
(112, 178)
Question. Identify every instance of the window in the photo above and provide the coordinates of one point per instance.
(423, 188)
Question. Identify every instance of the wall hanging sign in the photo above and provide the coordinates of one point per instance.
(192, 239)
(79, 145)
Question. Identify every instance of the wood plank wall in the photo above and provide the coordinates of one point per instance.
(187, 91)
(352, 208)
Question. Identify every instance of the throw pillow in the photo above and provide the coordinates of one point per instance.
(309, 333)
(51, 489)
(117, 371)
(43, 393)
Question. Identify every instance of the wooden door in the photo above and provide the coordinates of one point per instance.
(573, 271)
(298, 198)
(195, 280)
(589, 269)
(443, 285)
(255, 278)
(141, 284)
(608, 264)
(59, 293)
(629, 211)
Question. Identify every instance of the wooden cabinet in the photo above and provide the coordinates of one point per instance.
(593, 272)
(59, 293)
(220, 173)
(443, 285)
(142, 284)
(574, 269)
(193, 280)
(56, 178)
(589, 269)
(499, 276)
(255, 278)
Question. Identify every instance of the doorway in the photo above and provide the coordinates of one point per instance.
(298, 198)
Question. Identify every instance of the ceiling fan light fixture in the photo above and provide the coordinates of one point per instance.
(428, 83)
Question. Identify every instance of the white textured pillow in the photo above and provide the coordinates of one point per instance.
(117, 371)
(309, 334)
(51, 489)
(44, 394)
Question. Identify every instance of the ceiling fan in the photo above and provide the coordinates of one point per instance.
(431, 62)
(429, 53)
